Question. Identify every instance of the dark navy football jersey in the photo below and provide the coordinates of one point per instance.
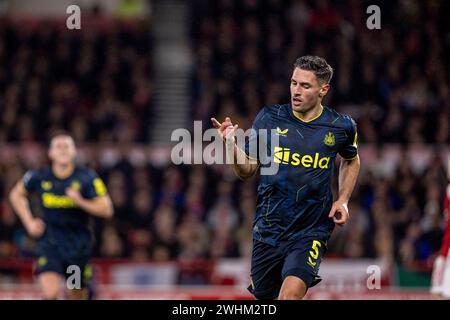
(59, 211)
(296, 198)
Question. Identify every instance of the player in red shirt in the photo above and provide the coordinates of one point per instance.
(440, 280)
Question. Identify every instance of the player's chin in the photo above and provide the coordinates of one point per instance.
(298, 107)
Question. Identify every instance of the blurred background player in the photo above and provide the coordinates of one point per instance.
(295, 212)
(440, 280)
(69, 194)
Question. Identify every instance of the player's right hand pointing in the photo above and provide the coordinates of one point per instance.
(35, 227)
(225, 129)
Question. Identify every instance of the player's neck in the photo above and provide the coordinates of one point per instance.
(309, 115)
(63, 171)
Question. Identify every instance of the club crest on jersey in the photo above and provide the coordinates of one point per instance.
(329, 139)
(75, 185)
(42, 261)
(46, 185)
(282, 132)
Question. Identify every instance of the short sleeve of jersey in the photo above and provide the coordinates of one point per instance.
(252, 143)
(31, 181)
(94, 187)
(349, 149)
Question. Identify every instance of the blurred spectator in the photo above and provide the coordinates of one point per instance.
(111, 244)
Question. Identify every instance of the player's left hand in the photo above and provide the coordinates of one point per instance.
(73, 194)
(339, 213)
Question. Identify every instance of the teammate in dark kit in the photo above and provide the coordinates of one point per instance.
(69, 195)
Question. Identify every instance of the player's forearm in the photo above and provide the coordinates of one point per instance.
(348, 174)
(98, 207)
(21, 206)
(243, 166)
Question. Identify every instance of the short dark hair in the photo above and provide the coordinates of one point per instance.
(318, 65)
(58, 133)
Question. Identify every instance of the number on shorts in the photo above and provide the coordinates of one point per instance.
(314, 253)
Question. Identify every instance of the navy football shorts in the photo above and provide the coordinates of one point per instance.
(271, 265)
(58, 256)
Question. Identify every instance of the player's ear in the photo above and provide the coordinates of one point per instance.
(324, 90)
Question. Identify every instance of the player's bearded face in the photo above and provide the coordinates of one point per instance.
(62, 150)
(306, 90)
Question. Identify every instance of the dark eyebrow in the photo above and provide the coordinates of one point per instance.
(303, 83)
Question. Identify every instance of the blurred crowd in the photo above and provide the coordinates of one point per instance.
(177, 212)
(97, 85)
(393, 81)
(95, 82)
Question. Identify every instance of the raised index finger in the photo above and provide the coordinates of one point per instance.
(215, 123)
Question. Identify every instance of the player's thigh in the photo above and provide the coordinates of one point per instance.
(303, 260)
(49, 270)
(77, 294)
(266, 266)
(50, 283)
